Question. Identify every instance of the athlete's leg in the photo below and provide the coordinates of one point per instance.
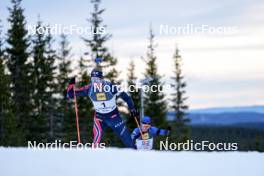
(97, 130)
(118, 125)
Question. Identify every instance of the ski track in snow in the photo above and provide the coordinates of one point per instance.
(126, 162)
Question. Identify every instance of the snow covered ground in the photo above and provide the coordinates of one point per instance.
(124, 162)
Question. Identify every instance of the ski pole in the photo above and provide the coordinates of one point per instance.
(140, 130)
(77, 116)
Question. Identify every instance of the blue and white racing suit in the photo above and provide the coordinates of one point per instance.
(104, 97)
(146, 140)
(150, 133)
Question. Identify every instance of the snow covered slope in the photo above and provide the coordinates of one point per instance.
(124, 162)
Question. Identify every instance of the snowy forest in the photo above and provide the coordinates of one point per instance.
(34, 75)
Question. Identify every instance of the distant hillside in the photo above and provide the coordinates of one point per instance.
(227, 118)
(250, 116)
(256, 109)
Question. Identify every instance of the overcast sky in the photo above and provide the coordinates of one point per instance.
(221, 69)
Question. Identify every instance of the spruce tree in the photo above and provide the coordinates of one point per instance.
(64, 58)
(181, 130)
(45, 118)
(4, 89)
(66, 110)
(17, 52)
(131, 81)
(155, 104)
(38, 122)
(10, 132)
(49, 72)
(134, 93)
(85, 106)
(97, 41)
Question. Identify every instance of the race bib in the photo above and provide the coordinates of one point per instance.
(144, 144)
(100, 96)
(105, 106)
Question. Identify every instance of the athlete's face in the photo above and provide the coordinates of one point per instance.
(145, 127)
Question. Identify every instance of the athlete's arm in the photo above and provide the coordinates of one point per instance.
(135, 134)
(82, 91)
(127, 99)
(158, 131)
(124, 96)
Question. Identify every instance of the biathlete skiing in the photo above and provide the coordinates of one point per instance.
(105, 104)
(143, 136)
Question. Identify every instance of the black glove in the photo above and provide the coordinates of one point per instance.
(168, 130)
(134, 113)
(72, 81)
(71, 84)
